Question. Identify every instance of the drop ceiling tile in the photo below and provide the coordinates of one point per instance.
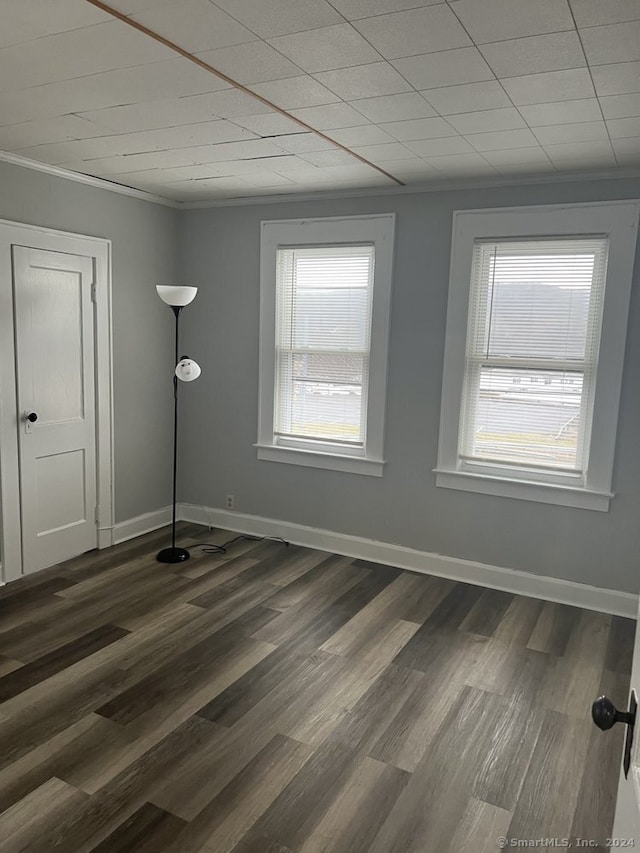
(445, 68)
(233, 104)
(435, 147)
(495, 20)
(616, 79)
(364, 81)
(517, 156)
(410, 169)
(322, 175)
(209, 187)
(356, 174)
(73, 54)
(621, 106)
(586, 131)
(194, 25)
(501, 140)
(301, 143)
(368, 134)
(269, 124)
(134, 7)
(106, 166)
(59, 153)
(561, 112)
(150, 160)
(581, 154)
(335, 157)
(14, 108)
(612, 43)
(354, 9)
(173, 79)
(149, 179)
(159, 159)
(330, 116)
(306, 174)
(169, 112)
(226, 168)
(619, 128)
(424, 128)
(394, 107)
(15, 29)
(552, 86)
(261, 164)
(326, 48)
(627, 150)
(467, 98)
(462, 165)
(390, 151)
(255, 62)
(552, 52)
(416, 31)
(296, 92)
(211, 170)
(224, 151)
(485, 121)
(27, 134)
(189, 135)
(279, 17)
(23, 20)
(592, 13)
(524, 169)
(266, 179)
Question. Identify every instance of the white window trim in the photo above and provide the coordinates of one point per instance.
(619, 221)
(379, 230)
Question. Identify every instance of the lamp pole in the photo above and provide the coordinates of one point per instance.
(185, 369)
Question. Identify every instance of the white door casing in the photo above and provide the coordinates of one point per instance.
(13, 236)
(54, 333)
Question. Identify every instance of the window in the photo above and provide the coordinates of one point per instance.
(534, 349)
(325, 288)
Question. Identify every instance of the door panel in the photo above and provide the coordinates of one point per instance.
(626, 824)
(55, 379)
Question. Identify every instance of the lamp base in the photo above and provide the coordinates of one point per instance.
(173, 555)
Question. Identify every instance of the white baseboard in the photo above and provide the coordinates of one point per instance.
(146, 523)
(494, 577)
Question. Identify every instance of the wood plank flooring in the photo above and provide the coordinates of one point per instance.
(282, 700)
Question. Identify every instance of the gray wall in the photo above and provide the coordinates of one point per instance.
(144, 250)
(220, 254)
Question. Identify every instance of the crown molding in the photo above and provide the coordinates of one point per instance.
(88, 180)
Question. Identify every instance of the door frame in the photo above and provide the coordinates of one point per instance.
(36, 237)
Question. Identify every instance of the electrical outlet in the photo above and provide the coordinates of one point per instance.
(229, 502)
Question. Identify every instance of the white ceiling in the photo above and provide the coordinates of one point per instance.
(426, 90)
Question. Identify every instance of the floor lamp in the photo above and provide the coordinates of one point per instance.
(186, 370)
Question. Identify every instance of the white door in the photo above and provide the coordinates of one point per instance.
(54, 328)
(626, 824)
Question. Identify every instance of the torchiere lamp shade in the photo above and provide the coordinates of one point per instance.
(177, 296)
(187, 369)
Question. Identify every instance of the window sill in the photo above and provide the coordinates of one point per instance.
(318, 459)
(579, 498)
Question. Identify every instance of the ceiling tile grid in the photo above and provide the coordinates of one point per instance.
(422, 90)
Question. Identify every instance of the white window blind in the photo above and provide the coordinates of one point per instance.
(535, 315)
(324, 300)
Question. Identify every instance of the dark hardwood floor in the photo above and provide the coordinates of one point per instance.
(284, 700)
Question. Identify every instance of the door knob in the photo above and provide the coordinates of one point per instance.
(606, 715)
(32, 417)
